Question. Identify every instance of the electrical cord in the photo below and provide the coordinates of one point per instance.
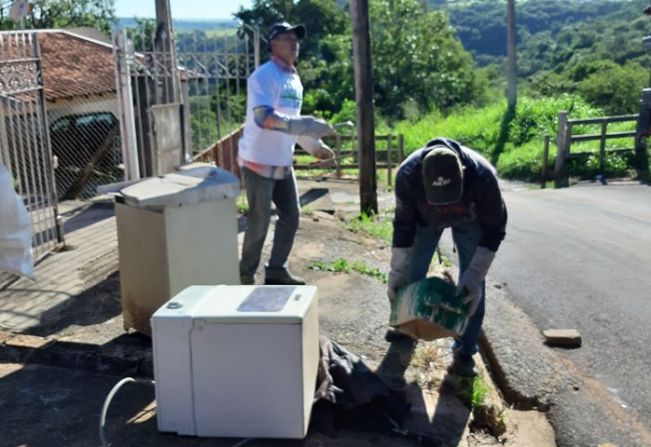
(113, 392)
(107, 402)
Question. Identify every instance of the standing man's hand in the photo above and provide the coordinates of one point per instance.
(470, 282)
(323, 152)
(399, 273)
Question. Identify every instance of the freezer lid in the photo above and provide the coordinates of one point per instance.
(185, 187)
(183, 304)
(256, 304)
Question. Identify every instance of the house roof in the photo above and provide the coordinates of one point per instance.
(74, 65)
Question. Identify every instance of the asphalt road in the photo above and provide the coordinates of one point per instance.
(580, 257)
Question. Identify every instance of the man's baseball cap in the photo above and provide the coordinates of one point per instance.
(283, 27)
(442, 176)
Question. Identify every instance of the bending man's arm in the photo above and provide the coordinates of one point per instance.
(268, 118)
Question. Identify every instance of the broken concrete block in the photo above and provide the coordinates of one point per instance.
(567, 338)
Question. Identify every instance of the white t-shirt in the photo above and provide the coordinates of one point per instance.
(272, 86)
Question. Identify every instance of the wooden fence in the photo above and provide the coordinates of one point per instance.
(567, 135)
(389, 153)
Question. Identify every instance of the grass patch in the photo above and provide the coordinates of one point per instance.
(374, 226)
(472, 391)
(342, 265)
(242, 204)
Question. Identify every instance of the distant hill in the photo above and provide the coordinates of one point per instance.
(481, 24)
(188, 25)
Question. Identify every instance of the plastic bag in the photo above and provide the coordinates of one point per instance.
(429, 309)
(15, 230)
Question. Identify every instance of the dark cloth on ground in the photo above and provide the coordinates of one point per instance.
(350, 395)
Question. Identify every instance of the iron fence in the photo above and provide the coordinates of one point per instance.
(84, 135)
(215, 68)
(24, 136)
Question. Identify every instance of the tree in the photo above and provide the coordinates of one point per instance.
(615, 88)
(417, 58)
(44, 14)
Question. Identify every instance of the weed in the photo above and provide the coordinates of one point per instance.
(471, 391)
(242, 204)
(342, 265)
(374, 226)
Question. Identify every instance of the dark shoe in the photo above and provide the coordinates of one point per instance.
(394, 335)
(281, 276)
(247, 280)
(462, 365)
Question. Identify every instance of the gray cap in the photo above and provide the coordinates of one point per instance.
(442, 176)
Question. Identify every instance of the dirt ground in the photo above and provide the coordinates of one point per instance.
(58, 405)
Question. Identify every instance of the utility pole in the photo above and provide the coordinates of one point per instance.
(364, 99)
(165, 47)
(512, 92)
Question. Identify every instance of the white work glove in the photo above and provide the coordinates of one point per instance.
(315, 147)
(323, 152)
(469, 287)
(309, 126)
(399, 274)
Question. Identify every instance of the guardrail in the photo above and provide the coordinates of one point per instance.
(566, 136)
(389, 154)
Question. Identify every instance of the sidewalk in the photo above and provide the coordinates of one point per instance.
(62, 345)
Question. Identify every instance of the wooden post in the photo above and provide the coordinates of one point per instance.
(512, 91)
(389, 159)
(559, 168)
(641, 136)
(364, 99)
(401, 148)
(543, 171)
(602, 147)
(338, 156)
(164, 43)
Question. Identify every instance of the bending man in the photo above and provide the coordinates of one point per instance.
(446, 185)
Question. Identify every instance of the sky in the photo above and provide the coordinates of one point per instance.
(182, 9)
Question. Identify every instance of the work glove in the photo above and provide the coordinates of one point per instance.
(323, 152)
(469, 288)
(399, 274)
(309, 126)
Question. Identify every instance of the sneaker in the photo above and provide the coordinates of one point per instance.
(247, 280)
(281, 276)
(463, 365)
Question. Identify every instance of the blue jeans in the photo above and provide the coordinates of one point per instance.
(466, 238)
(260, 192)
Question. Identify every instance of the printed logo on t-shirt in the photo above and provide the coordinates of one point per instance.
(290, 98)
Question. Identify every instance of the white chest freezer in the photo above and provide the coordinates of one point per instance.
(236, 361)
(174, 231)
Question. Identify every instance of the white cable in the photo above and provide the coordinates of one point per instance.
(107, 402)
(113, 392)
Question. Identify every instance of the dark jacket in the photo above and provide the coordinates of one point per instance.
(481, 198)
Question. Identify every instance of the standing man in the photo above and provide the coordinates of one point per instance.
(446, 185)
(273, 125)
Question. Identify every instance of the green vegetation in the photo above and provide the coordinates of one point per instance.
(242, 203)
(586, 58)
(522, 153)
(379, 227)
(342, 265)
(50, 14)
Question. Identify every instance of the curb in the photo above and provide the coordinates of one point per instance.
(119, 358)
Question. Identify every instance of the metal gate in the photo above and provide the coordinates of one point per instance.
(215, 70)
(24, 137)
(181, 99)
